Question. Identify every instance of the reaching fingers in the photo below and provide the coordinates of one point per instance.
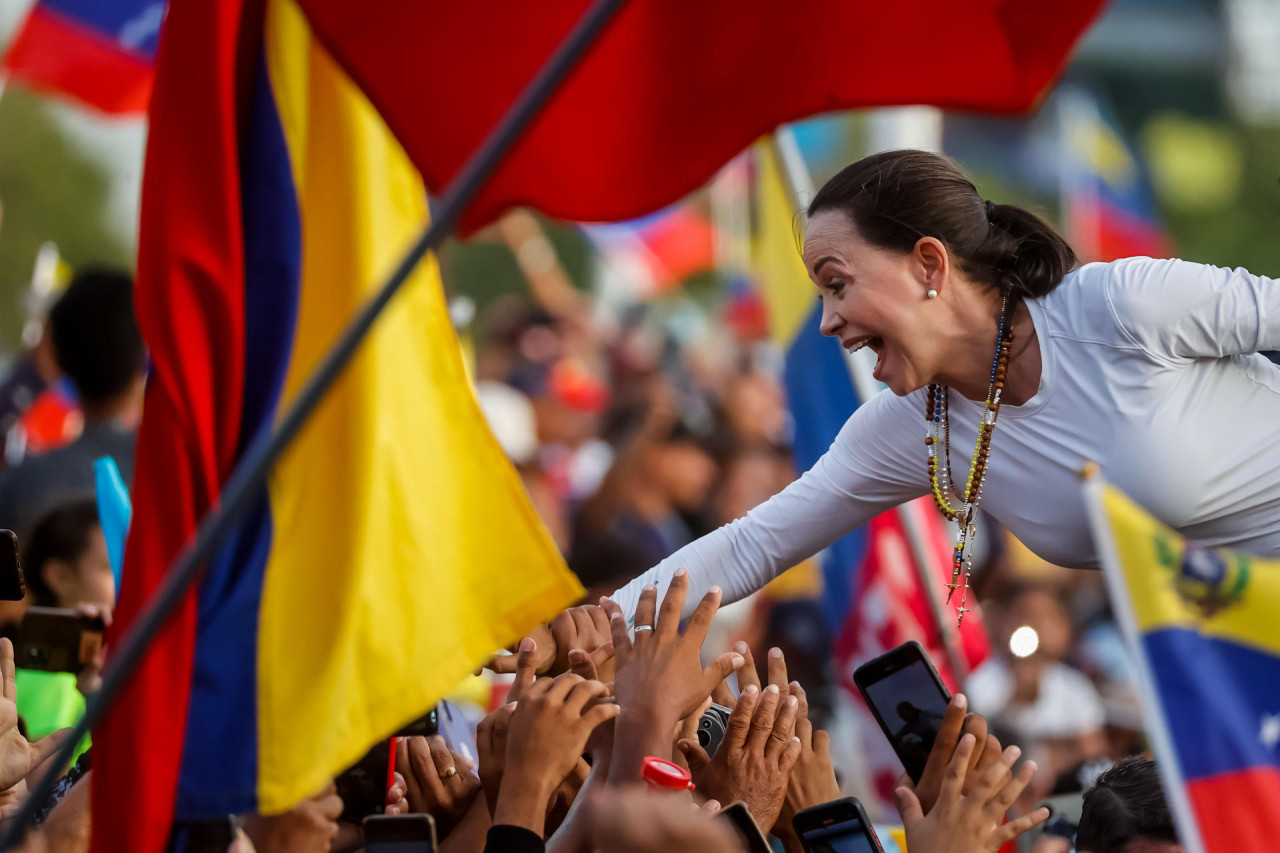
(976, 725)
(804, 728)
(739, 725)
(702, 616)
(646, 607)
(694, 754)
(1014, 828)
(944, 746)
(583, 692)
(762, 719)
(689, 725)
(711, 806)
(8, 670)
(957, 768)
(580, 663)
(990, 754)
(47, 745)
(600, 713)
(1012, 789)
(784, 728)
(778, 669)
(668, 624)
(790, 755)
(722, 694)
(996, 776)
(908, 805)
(748, 674)
(617, 626)
(822, 744)
(719, 669)
(526, 668)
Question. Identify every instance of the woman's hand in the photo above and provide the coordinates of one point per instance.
(438, 783)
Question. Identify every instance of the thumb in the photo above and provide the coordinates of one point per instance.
(45, 747)
(501, 664)
(721, 668)
(694, 754)
(908, 806)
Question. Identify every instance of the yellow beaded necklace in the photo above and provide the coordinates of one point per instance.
(938, 435)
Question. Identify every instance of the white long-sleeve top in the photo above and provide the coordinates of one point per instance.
(1149, 367)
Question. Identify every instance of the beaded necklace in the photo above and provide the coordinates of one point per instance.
(938, 435)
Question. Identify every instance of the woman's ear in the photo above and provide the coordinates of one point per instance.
(931, 264)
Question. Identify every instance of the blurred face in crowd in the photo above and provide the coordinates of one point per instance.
(876, 298)
(87, 580)
(684, 472)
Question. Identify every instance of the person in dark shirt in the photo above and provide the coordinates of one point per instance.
(98, 346)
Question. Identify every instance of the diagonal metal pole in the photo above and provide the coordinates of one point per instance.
(246, 482)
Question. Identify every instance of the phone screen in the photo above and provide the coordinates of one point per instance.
(848, 836)
(910, 704)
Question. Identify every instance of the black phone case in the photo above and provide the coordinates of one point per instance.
(877, 668)
(13, 586)
(846, 808)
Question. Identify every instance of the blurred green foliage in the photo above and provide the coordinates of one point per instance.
(49, 190)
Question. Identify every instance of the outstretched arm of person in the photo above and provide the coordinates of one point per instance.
(874, 464)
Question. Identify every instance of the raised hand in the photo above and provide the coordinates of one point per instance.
(18, 756)
(969, 821)
(813, 780)
(437, 782)
(312, 825)
(548, 731)
(955, 723)
(755, 759)
(584, 627)
(491, 749)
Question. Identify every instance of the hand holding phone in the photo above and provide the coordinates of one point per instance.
(840, 826)
(970, 811)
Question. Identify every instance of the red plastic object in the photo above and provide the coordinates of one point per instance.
(666, 775)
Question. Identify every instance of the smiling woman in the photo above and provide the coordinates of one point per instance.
(1147, 367)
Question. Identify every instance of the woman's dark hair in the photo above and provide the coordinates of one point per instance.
(95, 334)
(897, 197)
(1126, 803)
(63, 535)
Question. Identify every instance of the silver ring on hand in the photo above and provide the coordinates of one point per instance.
(640, 628)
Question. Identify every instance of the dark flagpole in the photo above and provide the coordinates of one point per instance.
(247, 481)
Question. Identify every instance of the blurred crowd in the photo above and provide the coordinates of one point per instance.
(634, 434)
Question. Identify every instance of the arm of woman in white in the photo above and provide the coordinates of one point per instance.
(875, 463)
(1181, 310)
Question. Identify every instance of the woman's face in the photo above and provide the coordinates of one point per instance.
(874, 297)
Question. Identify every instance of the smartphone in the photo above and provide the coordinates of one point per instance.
(13, 587)
(908, 698)
(52, 639)
(363, 785)
(739, 817)
(712, 726)
(406, 833)
(840, 826)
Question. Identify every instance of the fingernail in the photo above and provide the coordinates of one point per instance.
(792, 701)
(715, 590)
(740, 647)
(1031, 766)
(1014, 752)
(510, 706)
(738, 660)
(795, 739)
(772, 688)
(527, 644)
(616, 617)
(795, 685)
(679, 573)
(775, 652)
(650, 588)
(750, 690)
(577, 653)
(968, 738)
(961, 701)
(603, 599)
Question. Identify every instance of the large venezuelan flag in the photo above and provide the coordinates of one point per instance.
(1204, 626)
(394, 548)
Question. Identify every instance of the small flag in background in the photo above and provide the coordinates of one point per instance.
(99, 52)
(1202, 623)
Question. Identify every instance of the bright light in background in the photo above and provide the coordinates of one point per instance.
(1024, 642)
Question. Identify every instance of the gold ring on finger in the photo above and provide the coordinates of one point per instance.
(449, 772)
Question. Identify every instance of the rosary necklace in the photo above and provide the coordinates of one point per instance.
(938, 436)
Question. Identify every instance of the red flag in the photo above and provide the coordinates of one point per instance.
(673, 89)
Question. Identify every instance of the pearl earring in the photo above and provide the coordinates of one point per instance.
(933, 294)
